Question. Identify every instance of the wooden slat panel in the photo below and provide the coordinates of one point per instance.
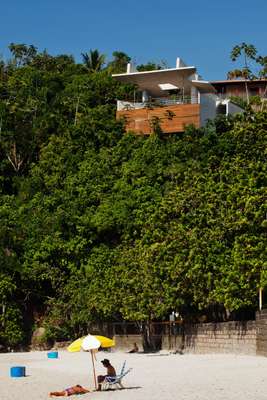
(172, 118)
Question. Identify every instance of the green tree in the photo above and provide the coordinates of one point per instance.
(150, 66)
(119, 63)
(248, 52)
(262, 61)
(93, 60)
(22, 53)
(100, 225)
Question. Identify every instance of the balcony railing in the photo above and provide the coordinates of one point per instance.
(156, 102)
(242, 96)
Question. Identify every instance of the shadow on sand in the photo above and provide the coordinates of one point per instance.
(157, 355)
(124, 388)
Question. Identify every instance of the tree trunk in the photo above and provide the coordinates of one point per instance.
(246, 85)
(76, 110)
(3, 314)
(262, 100)
(148, 342)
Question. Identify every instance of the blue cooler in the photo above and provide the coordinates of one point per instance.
(17, 372)
(52, 354)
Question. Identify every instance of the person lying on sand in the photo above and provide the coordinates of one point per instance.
(77, 389)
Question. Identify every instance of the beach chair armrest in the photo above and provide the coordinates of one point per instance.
(111, 378)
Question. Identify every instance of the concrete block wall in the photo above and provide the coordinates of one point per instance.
(235, 337)
(261, 340)
(125, 342)
(172, 343)
(225, 337)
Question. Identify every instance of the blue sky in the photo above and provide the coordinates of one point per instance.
(201, 32)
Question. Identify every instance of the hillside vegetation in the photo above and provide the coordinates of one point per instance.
(97, 224)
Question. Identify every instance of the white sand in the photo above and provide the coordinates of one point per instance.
(154, 376)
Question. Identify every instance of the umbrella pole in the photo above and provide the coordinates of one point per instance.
(92, 356)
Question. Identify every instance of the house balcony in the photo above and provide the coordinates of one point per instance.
(173, 114)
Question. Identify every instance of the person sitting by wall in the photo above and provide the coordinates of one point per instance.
(135, 349)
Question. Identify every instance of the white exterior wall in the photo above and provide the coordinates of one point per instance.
(180, 63)
(194, 95)
(231, 108)
(130, 68)
(207, 107)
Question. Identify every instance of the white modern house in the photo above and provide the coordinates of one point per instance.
(176, 96)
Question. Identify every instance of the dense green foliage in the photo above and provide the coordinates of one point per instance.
(254, 67)
(97, 224)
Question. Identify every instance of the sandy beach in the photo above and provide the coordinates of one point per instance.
(159, 376)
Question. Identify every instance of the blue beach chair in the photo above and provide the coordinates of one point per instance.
(115, 381)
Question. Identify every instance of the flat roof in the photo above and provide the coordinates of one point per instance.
(191, 69)
(150, 80)
(226, 81)
(204, 86)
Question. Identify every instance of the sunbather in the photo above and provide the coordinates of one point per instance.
(77, 389)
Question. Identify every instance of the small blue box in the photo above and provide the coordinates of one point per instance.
(52, 354)
(17, 372)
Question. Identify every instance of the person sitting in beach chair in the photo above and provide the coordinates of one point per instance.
(115, 381)
(77, 389)
(110, 372)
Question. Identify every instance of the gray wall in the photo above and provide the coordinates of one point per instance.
(225, 337)
(235, 337)
(261, 340)
(233, 109)
(125, 342)
(207, 107)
